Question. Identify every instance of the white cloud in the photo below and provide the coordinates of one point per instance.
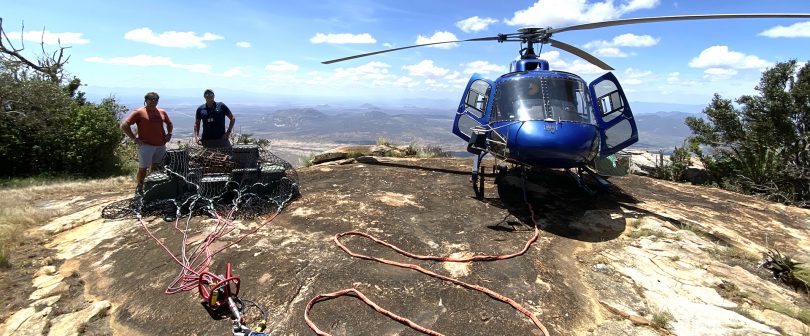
(483, 67)
(237, 72)
(633, 40)
(388, 45)
(566, 12)
(48, 37)
(624, 40)
(404, 81)
(282, 77)
(172, 39)
(550, 56)
(150, 61)
(610, 52)
(801, 29)
(673, 77)
(442, 36)
(633, 73)
(718, 73)
(426, 69)
(474, 24)
(611, 48)
(436, 84)
(722, 57)
(281, 66)
(578, 66)
(633, 76)
(455, 79)
(634, 5)
(243, 44)
(342, 39)
(581, 67)
(372, 70)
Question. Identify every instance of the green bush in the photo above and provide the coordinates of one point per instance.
(761, 147)
(675, 169)
(52, 130)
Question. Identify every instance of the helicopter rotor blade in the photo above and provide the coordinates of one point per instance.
(581, 53)
(677, 18)
(492, 38)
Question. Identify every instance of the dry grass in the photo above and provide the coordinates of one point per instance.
(21, 207)
(798, 313)
(662, 319)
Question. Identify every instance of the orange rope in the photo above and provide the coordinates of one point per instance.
(409, 323)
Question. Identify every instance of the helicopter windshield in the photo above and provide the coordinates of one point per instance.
(543, 98)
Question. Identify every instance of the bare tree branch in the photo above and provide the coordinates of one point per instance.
(49, 65)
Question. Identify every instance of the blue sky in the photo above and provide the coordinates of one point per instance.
(270, 51)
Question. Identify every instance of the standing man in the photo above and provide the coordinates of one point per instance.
(213, 116)
(151, 138)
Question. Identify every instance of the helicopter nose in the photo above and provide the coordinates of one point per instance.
(554, 144)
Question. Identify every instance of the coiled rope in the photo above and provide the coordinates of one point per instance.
(405, 321)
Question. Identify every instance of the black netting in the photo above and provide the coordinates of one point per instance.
(245, 181)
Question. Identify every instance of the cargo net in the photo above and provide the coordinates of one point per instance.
(242, 182)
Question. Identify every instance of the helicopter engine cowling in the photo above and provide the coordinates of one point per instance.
(551, 144)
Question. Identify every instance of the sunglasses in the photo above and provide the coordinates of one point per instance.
(208, 95)
(152, 99)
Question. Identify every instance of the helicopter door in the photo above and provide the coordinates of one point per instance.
(473, 110)
(617, 127)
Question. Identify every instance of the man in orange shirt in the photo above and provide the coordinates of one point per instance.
(151, 138)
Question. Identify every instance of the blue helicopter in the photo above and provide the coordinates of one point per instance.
(536, 117)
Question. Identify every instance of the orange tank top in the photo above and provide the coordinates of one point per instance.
(150, 125)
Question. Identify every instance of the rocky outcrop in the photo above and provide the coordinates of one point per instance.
(42, 316)
(649, 257)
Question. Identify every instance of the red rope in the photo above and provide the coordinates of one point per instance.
(192, 266)
(409, 323)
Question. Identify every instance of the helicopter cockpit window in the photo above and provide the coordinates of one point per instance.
(609, 101)
(476, 100)
(543, 98)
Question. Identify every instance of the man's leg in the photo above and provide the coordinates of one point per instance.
(157, 158)
(139, 178)
(154, 167)
(145, 153)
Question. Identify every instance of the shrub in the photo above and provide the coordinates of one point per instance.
(762, 147)
(54, 131)
(675, 169)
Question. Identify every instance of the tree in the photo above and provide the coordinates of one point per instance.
(762, 147)
(50, 65)
(47, 126)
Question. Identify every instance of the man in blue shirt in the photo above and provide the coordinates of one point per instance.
(212, 114)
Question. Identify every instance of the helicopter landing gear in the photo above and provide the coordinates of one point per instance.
(478, 184)
(500, 171)
(601, 182)
(477, 178)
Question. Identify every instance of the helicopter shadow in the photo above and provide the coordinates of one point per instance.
(560, 206)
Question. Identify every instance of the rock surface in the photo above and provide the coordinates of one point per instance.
(649, 257)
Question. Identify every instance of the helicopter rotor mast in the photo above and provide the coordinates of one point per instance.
(534, 35)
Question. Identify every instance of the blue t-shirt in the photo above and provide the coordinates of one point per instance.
(213, 120)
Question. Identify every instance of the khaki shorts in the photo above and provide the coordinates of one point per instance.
(148, 155)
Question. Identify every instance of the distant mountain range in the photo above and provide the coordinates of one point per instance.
(662, 130)
(366, 123)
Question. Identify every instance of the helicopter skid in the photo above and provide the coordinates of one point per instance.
(501, 170)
